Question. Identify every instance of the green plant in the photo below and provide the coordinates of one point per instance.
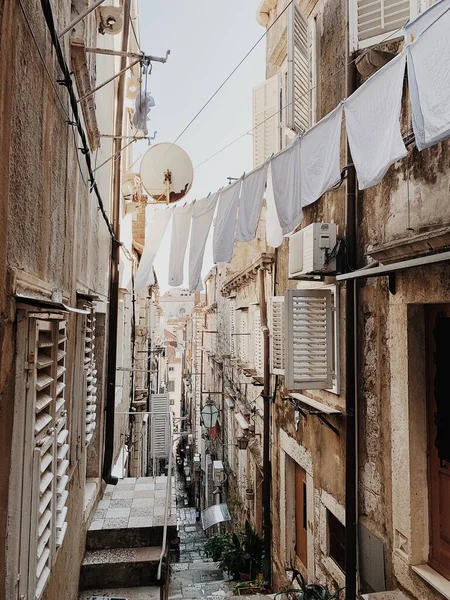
(216, 546)
(311, 591)
(245, 554)
(249, 588)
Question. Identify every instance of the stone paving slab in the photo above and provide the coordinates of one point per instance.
(135, 593)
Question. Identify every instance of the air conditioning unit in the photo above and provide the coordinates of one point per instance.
(111, 19)
(217, 469)
(310, 251)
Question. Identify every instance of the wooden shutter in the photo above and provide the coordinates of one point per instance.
(232, 327)
(258, 341)
(266, 120)
(243, 335)
(373, 20)
(277, 335)
(309, 334)
(49, 495)
(62, 436)
(91, 377)
(299, 78)
(159, 426)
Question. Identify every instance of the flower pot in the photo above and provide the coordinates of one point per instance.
(249, 494)
(244, 576)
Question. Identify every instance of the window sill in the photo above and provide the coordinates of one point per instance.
(90, 494)
(433, 578)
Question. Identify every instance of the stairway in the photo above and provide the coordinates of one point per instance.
(124, 541)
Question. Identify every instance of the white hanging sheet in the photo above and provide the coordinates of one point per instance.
(156, 224)
(429, 83)
(372, 119)
(274, 235)
(250, 205)
(285, 168)
(202, 216)
(416, 26)
(225, 222)
(320, 150)
(181, 225)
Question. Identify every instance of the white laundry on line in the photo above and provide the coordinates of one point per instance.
(156, 224)
(224, 226)
(416, 26)
(372, 116)
(274, 235)
(429, 83)
(285, 168)
(202, 216)
(181, 225)
(250, 204)
(320, 150)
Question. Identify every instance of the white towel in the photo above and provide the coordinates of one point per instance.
(320, 153)
(250, 205)
(225, 223)
(202, 216)
(429, 83)
(372, 116)
(418, 25)
(156, 223)
(274, 235)
(286, 186)
(181, 225)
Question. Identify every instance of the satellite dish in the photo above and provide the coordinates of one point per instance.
(166, 172)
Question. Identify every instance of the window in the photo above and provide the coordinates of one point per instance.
(44, 498)
(266, 119)
(232, 328)
(336, 540)
(301, 515)
(299, 71)
(438, 408)
(171, 385)
(277, 335)
(171, 369)
(371, 21)
(311, 338)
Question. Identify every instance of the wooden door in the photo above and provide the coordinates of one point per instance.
(301, 515)
(438, 408)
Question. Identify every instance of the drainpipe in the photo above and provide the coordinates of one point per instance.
(351, 473)
(267, 524)
(114, 263)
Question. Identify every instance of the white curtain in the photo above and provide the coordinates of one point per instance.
(286, 187)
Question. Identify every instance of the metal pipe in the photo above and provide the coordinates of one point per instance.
(124, 53)
(80, 17)
(99, 87)
(267, 476)
(351, 494)
(114, 269)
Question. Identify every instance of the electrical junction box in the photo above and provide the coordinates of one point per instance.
(309, 249)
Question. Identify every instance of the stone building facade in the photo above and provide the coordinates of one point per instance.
(55, 266)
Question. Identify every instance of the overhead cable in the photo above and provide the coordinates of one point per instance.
(67, 82)
(233, 71)
(319, 84)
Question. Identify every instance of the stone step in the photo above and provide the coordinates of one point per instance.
(120, 567)
(131, 537)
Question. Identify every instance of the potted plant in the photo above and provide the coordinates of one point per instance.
(216, 546)
(250, 493)
(311, 591)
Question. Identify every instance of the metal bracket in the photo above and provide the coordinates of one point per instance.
(89, 94)
(143, 57)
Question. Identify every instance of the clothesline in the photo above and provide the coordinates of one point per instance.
(301, 173)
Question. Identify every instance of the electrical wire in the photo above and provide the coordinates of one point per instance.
(319, 84)
(67, 82)
(233, 72)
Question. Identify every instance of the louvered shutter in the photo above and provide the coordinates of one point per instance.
(91, 376)
(243, 337)
(159, 408)
(299, 79)
(258, 341)
(62, 435)
(309, 349)
(232, 327)
(373, 20)
(266, 120)
(277, 335)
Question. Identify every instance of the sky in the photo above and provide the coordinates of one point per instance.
(207, 39)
